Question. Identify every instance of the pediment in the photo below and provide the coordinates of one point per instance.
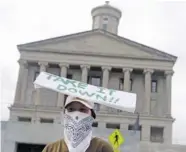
(97, 43)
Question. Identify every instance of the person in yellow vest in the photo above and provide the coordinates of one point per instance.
(78, 119)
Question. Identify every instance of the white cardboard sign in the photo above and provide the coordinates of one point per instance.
(108, 97)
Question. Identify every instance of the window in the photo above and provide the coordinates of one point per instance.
(24, 119)
(130, 127)
(96, 106)
(35, 75)
(105, 26)
(22, 147)
(69, 76)
(156, 134)
(95, 124)
(119, 110)
(154, 86)
(105, 23)
(121, 83)
(46, 120)
(94, 80)
(113, 126)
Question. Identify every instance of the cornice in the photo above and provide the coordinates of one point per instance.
(96, 54)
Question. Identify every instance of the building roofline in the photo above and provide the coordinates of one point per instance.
(122, 39)
(143, 46)
(54, 38)
(107, 6)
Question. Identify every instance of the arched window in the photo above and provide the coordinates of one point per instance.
(105, 23)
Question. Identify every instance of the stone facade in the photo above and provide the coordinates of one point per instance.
(99, 57)
(45, 133)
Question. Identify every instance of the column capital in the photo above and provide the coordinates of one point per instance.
(42, 63)
(127, 69)
(64, 65)
(106, 68)
(85, 66)
(23, 63)
(169, 72)
(148, 71)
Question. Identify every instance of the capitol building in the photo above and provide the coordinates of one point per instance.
(102, 58)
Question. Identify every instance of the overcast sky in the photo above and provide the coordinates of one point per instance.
(159, 24)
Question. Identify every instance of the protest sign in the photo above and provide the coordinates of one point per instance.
(108, 97)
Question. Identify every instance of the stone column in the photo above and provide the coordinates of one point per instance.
(43, 66)
(63, 73)
(105, 80)
(168, 78)
(84, 69)
(24, 84)
(126, 84)
(22, 65)
(148, 73)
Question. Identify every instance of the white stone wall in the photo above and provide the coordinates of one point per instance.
(19, 132)
(124, 119)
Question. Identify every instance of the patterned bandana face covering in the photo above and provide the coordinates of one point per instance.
(77, 131)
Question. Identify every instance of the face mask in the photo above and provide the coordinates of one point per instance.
(77, 131)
